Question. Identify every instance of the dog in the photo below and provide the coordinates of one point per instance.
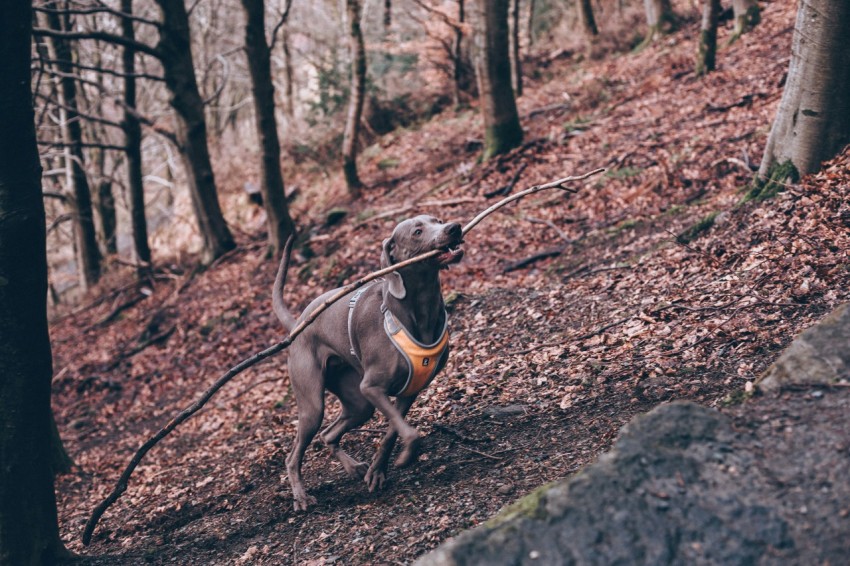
(388, 339)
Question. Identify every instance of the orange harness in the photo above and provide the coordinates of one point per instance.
(423, 360)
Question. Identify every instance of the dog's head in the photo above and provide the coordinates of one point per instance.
(416, 236)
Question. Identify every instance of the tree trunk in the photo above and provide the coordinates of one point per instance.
(85, 235)
(530, 23)
(289, 87)
(459, 71)
(660, 18)
(747, 16)
(388, 14)
(29, 531)
(502, 131)
(280, 224)
(585, 17)
(133, 142)
(707, 49)
(813, 120)
(355, 100)
(106, 211)
(515, 56)
(175, 47)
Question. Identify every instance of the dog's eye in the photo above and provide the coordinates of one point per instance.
(417, 232)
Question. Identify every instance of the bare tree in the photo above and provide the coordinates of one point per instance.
(707, 46)
(356, 97)
(516, 61)
(175, 48)
(133, 141)
(502, 130)
(279, 222)
(29, 531)
(813, 120)
(586, 19)
(61, 52)
(747, 16)
(660, 18)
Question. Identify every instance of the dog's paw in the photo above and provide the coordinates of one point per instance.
(303, 502)
(409, 453)
(375, 479)
(358, 470)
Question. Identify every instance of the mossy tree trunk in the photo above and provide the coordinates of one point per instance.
(175, 48)
(355, 102)
(280, 225)
(813, 120)
(660, 18)
(747, 16)
(707, 49)
(29, 531)
(502, 131)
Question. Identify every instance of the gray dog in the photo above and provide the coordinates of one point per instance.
(389, 339)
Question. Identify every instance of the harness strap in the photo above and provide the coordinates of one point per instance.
(351, 304)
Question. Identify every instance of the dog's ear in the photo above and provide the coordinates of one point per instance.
(395, 283)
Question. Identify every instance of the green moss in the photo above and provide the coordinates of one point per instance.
(502, 138)
(532, 506)
(779, 175)
(697, 229)
(388, 163)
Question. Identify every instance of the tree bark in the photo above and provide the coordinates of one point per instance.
(502, 130)
(516, 62)
(388, 15)
(29, 531)
(707, 47)
(660, 18)
(85, 235)
(279, 222)
(175, 47)
(585, 17)
(355, 100)
(747, 16)
(133, 142)
(813, 120)
(459, 71)
(530, 23)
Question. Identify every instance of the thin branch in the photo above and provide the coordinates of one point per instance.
(98, 10)
(78, 113)
(121, 485)
(104, 70)
(100, 36)
(88, 145)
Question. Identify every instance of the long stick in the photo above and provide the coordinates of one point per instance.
(121, 485)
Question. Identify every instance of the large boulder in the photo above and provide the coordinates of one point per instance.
(820, 355)
(672, 490)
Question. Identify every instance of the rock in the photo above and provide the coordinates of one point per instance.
(671, 490)
(820, 355)
(506, 411)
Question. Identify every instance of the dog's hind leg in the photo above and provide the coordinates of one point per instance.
(308, 383)
(356, 410)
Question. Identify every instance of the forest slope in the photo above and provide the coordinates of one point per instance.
(548, 362)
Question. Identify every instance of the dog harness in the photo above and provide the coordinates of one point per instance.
(422, 359)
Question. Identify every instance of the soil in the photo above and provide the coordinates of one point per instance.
(548, 362)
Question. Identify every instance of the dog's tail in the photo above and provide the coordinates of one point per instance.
(277, 291)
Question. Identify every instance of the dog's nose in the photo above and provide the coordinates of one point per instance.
(454, 230)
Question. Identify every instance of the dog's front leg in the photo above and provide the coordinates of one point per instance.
(377, 473)
(374, 389)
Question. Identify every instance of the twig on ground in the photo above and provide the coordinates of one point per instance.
(121, 485)
(519, 264)
(484, 454)
(550, 224)
(510, 186)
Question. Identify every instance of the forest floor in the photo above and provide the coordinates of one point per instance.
(548, 361)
